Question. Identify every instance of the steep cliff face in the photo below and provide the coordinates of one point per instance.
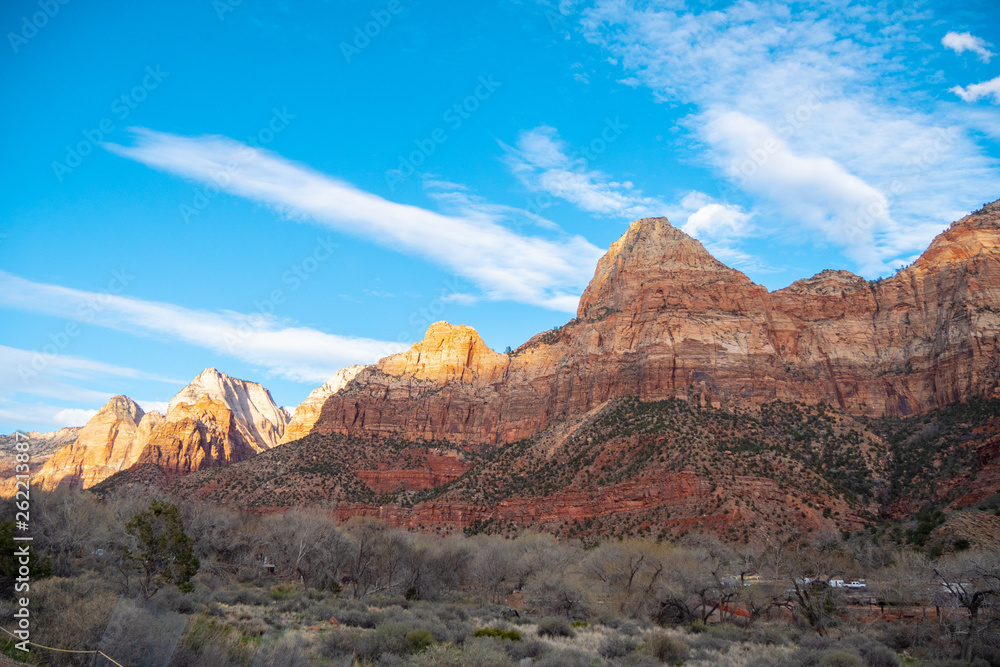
(662, 318)
(104, 446)
(308, 411)
(255, 414)
(197, 435)
(215, 419)
(42, 447)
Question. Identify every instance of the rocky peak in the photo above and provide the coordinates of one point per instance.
(827, 282)
(975, 235)
(120, 408)
(447, 352)
(250, 403)
(652, 265)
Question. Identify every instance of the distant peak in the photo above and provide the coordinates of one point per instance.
(827, 281)
(975, 235)
(447, 351)
(650, 251)
(122, 407)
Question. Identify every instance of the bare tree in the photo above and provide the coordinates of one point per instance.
(628, 572)
(972, 580)
(494, 569)
(69, 525)
(307, 543)
(380, 558)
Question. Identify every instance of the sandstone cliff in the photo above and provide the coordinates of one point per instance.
(308, 411)
(255, 414)
(662, 318)
(215, 419)
(43, 446)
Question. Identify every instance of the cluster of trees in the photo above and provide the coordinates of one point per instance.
(146, 543)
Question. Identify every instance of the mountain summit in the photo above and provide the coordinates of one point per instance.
(215, 419)
(662, 319)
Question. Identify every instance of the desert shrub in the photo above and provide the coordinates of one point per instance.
(248, 596)
(294, 604)
(873, 652)
(171, 598)
(665, 647)
(419, 640)
(480, 654)
(770, 637)
(358, 619)
(215, 609)
(564, 658)
(625, 626)
(531, 648)
(320, 611)
(386, 638)
(730, 633)
(498, 633)
(707, 642)
(223, 596)
(555, 627)
(450, 612)
(283, 651)
(903, 636)
(579, 624)
(841, 658)
(816, 643)
(283, 591)
(388, 601)
(338, 643)
(617, 646)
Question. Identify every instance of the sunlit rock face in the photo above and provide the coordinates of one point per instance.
(663, 318)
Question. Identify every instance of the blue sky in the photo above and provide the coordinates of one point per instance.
(282, 190)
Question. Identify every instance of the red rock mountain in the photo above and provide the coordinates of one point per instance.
(214, 420)
(663, 319)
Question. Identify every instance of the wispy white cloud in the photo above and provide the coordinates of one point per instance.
(977, 91)
(154, 406)
(503, 263)
(543, 162)
(808, 114)
(297, 353)
(721, 227)
(712, 220)
(960, 42)
(50, 374)
(72, 417)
